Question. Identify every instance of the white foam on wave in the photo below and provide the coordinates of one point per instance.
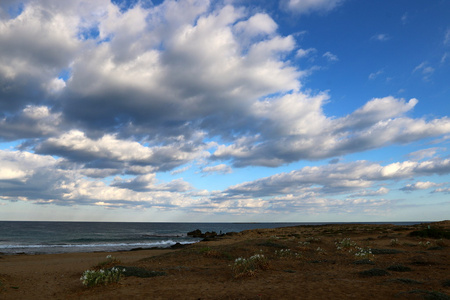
(93, 246)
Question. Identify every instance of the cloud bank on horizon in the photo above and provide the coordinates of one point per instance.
(224, 110)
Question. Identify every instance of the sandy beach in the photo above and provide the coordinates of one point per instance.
(305, 262)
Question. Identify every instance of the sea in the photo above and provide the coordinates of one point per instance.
(20, 237)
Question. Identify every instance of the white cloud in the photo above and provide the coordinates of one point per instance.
(382, 37)
(330, 56)
(425, 70)
(36, 42)
(356, 179)
(370, 193)
(420, 185)
(447, 37)
(32, 121)
(305, 52)
(55, 85)
(442, 190)
(222, 168)
(405, 18)
(150, 87)
(424, 153)
(374, 75)
(256, 25)
(296, 128)
(309, 6)
(111, 151)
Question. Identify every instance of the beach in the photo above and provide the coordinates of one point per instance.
(339, 261)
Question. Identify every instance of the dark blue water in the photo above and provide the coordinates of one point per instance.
(65, 237)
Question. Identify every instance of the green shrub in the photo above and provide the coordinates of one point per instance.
(287, 253)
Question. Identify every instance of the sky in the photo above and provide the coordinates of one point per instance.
(225, 111)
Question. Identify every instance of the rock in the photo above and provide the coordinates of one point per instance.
(198, 233)
(177, 246)
(195, 233)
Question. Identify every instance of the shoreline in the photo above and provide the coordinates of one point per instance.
(78, 248)
(310, 263)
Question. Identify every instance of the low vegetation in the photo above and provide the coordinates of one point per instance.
(249, 266)
(101, 277)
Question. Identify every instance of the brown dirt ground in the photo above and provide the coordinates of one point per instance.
(204, 270)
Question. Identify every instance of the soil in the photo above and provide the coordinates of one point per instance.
(302, 262)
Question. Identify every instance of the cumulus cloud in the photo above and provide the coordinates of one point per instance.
(94, 91)
(420, 185)
(25, 176)
(112, 152)
(357, 179)
(31, 122)
(296, 128)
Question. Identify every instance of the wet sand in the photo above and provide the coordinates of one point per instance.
(302, 262)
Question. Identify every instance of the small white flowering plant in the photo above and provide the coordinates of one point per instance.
(101, 277)
(287, 253)
(249, 266)
(364, 253)
(345, 245)
(104, 273)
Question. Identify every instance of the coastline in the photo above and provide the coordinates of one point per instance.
(202, 270)
(52, 237)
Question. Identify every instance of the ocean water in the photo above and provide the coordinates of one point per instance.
(66, 237)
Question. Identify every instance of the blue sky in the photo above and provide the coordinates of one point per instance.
(196, 110)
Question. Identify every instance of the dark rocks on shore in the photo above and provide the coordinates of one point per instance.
(177, 246)
(208, 235)
(198, 234)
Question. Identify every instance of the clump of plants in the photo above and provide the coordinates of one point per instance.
(287, 254)
(345, 244)
(312, 239)
(425, 244)
(364, 253)
(103, 273)
(394, 242)
(320, 250)
(249, 266)
(101, 277)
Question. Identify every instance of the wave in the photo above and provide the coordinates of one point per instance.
(91, 247)
(167, 243)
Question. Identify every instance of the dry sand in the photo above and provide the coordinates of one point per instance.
(413, 267)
